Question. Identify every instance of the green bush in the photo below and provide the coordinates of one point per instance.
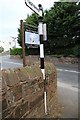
(32, 51)
(71, 52)
(1, 49)
(76, 51)
(16, 51)
(67, 52)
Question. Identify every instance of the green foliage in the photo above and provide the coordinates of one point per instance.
(16, 51)
(76, 51)
(19, 37)
(31, 20)
(63, 23)
(1, 49)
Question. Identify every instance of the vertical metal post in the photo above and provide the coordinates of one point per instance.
(23, 45)
(40, 30)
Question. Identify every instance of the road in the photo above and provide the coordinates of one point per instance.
(68, 92)
(67, 79)
(67, 74)
(6, 62)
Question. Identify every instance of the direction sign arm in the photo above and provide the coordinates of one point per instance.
(31, 8)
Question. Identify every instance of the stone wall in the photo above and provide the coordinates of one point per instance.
(0, 95)
(23, 88)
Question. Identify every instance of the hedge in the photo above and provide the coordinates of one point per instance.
(75, 51)
(18, 51)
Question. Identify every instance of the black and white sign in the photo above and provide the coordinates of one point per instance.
(33, 7)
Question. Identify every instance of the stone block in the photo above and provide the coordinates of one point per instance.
(22, 74)
(10, 98)
(17, 92)
(41, 85)
(7, 113)
(21, 109)
(27, 90)
(4, 104)
(4, 85)
(0, 96)
(5, 77)
(9, 78)
(36, 99)
(0, 106)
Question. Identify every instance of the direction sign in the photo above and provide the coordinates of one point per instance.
(33, 7)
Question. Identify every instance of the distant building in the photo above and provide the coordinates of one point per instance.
(1, 44)
(9, 44)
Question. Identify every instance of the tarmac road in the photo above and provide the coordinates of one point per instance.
(67, 74)
(68, 89)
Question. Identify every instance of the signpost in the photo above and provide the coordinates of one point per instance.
(42, 36)
(22, 37)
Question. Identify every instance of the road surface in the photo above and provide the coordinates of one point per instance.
(67, 79)
(67, 74)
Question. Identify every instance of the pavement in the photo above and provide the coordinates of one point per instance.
(68, 89)
(68, 98)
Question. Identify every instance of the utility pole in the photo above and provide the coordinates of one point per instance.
(23, 45)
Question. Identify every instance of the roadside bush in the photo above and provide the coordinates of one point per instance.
(32, 51)
(16, 51)
(69, 52)
(76, 51)
(1, 49)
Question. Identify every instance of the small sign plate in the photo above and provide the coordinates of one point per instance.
(32, 38)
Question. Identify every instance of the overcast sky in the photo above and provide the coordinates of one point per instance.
(12, 11)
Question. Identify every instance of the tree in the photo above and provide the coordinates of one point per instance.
(63, 25)
(31, 20)
(63, 21)
(1, 49)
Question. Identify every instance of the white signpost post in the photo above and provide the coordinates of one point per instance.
(33, 39)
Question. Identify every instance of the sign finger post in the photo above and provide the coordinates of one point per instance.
(40, 37)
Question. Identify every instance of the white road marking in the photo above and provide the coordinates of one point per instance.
(13, 63)
(60, 84)
(68, 70)
(63, 70)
